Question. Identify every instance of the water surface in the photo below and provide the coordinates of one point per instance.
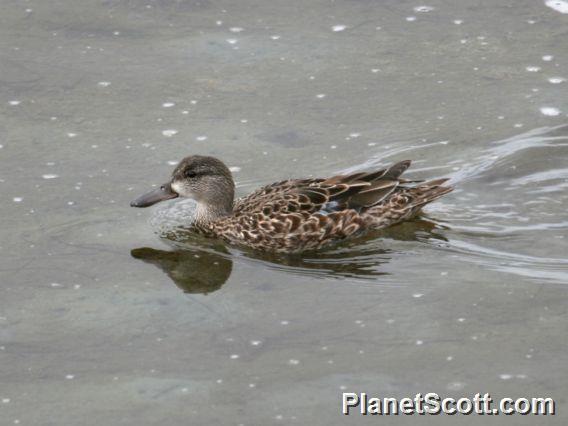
(102, 322)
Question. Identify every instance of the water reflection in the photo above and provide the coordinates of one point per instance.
(193, 270)
(197, 265)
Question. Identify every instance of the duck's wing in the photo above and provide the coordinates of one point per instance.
(358, 191)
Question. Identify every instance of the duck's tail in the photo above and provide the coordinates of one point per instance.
(406, 202)
(427, 192)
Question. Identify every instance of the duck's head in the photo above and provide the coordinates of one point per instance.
(205, 179)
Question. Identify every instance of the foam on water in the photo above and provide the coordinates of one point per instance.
(556, 80)
(338, 28)
(423, 9)
(557, 5)
(169, 132)
(50, 176)
(550, 111)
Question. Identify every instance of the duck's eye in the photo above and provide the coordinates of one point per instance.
(190, 174)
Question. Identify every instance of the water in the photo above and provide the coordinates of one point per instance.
(102, 321)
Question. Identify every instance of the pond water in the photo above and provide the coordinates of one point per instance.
(102, 322)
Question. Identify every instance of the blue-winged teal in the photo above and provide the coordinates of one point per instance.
(296, 214)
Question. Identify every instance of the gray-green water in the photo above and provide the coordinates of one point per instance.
(98, 97)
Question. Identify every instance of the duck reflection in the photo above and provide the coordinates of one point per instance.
(197, 265)
(193, 270)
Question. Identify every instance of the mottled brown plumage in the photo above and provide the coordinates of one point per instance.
(298, 214)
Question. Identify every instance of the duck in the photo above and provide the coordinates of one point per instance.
(294, 215)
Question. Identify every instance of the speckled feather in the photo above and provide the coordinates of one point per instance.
(306, 214)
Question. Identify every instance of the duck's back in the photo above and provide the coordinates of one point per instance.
(305, 214)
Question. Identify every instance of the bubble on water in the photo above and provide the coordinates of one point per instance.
(1, 146)
(419, 342)
(547, 58)
(411, 18)
(193, 102)
(375, 70)
(275, 37)
(168, 104)
(320, 95)
(236, 29)
(293, 361)
(532, 68)
(417, 295)
(71, 134)
(234, 356)
(15, 102)
(455, 386)
(550, 111)
(103, 83)
(201, 138)
(449, 358)
(284, 322)
(70, 376)
(232, 40)
(558, 5)
(50, 176)
(169, 132)
(5, 400)
(235, 169)
(173, 162)
(18, 199)
(423, 9)
(556, 80)
(338, 28)
(355, 134)
(255, 342)
(505, 376)
(458, 21)
(219, 23)
(461, 319)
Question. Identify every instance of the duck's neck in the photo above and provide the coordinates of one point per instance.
(205, 214)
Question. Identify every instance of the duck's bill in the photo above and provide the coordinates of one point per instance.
(164, 192)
